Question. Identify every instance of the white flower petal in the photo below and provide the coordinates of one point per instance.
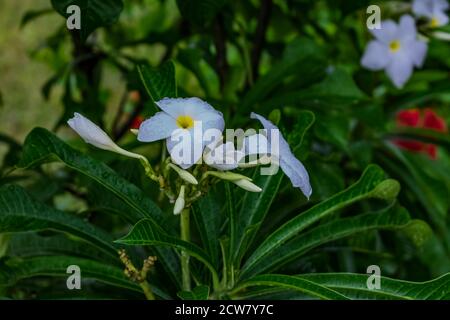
(400, 69)
(290, 165)
(376, 57)
(423, 8)
(417, 51)
(441, 5)
(256, 144)
(194, 107)
(185, 147)
(440, 17)
(407, 28)
(387, 33)
(158, 127)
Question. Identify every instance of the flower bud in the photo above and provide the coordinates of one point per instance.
(229, 176)
(94, 135)
(185, 175)
(180, 202)
(247, 185)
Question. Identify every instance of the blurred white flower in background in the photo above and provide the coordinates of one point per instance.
(432, 10)
(396, 49)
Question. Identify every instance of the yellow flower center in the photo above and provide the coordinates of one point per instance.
(394, 46)
(185, 122)
(434, 23)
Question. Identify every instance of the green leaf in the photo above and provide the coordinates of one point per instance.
(366, 187)
(207, 218)
(19, 213)
(255, 206)
(94, 13)
(389, 218)
(302, 57)
(159, 82)
(337, 90)
(200, 12)
(355, 286)
(32, 245)
(146, 232)
(291, 282)
(12, 271)
(198, 293)
(42, 146)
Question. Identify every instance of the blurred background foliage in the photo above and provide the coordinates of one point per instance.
(281, 58)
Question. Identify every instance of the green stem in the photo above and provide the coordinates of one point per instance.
(185, 236)
(147, 290)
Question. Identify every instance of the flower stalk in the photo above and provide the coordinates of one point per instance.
(185, 236)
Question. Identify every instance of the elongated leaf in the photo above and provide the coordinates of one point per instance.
(302, 57)
(355, 287)
(19, 212)
(14, 271)
(94, 13)
(392, 217)
(291, 282)
(198, 293)
(256, 205)
(146, 232)
(42, 146)
(207, 218)
(364, 188)
(159, 82)
(32, 245)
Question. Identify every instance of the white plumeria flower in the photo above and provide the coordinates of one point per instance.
(93, 134)
(184, 119)
(290, 165)
(433, 10)
(396, 50)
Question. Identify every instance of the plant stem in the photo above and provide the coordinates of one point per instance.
(185, 236)
(147, 290)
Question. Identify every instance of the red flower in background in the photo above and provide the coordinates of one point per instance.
(136, 123)
(427, 119)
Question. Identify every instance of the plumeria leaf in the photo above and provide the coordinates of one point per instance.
(146, 232)
(295, 283)
(355, 286)
(366, 187)
(208, 220)
(159, 82)
(301, 57)
(42, 146)
(198, 293)
(94, 13)
(33, 245)
(12, 271)
(20, 213)
(389, 218)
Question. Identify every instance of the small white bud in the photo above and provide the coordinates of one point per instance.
(229, 176)
(180, 202)
(247, 185)
(93, 134)
(185, 175)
